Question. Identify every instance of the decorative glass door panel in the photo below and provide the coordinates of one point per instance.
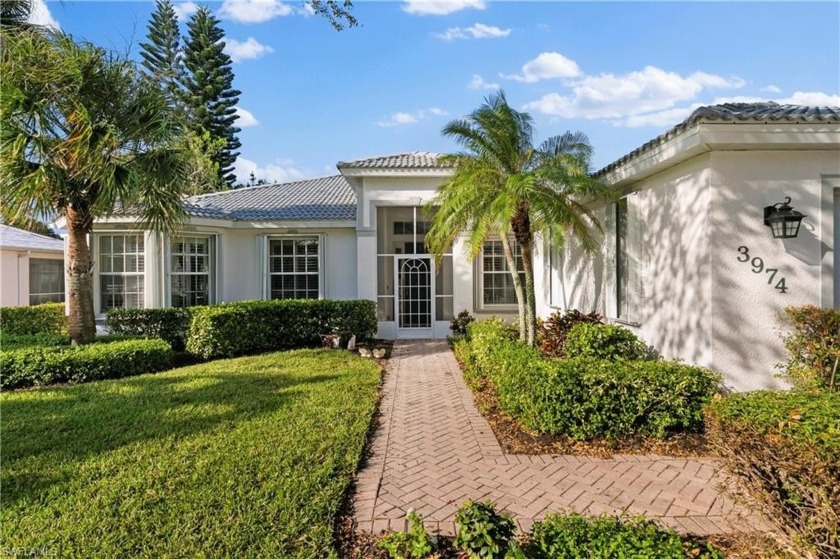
(414, 280)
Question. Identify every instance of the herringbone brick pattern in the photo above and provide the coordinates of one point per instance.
(433, 451)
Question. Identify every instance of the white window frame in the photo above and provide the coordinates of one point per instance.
(212, 266)
(265, 258)
(50, 294)
(480, 273)
(99, 292)
(624, 289)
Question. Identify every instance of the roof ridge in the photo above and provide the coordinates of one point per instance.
(258, 186)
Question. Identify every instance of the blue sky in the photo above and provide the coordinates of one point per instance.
(621, 72)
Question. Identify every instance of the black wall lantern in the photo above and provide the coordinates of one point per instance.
(783, 220)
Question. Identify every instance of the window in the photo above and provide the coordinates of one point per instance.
(628, 283)
(496, 280)
(46, 281)
(190, 271)
(122, 265)
(294, 268)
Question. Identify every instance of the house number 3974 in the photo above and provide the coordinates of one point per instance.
(757, 264)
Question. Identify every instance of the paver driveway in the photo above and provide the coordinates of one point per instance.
(432, 451)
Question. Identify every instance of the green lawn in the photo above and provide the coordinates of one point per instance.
(243, 457)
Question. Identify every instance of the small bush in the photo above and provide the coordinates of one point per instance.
(43, 365)
(48, 318)
(552, 332)
(572, 536)
(605, 341)
(587, 398)
(484, 533)
(813, 347)
(785, 449)
(16, 341)
(459, 324)
(169, 325)
(232, 329)
(417, 543)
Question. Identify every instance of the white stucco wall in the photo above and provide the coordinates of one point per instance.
(14, 275)
(699, 303)
(747, 309)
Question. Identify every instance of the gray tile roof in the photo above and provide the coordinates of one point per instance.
(11, 237)
(737, 113)
(320, 199)
(410, 160)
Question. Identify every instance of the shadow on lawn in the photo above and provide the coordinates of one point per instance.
(91, 419)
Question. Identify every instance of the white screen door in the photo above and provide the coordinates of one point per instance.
(414, 293)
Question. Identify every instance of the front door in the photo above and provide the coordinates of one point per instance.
(414, 276)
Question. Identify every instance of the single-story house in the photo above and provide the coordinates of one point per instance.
(31, 268)
(687, 260)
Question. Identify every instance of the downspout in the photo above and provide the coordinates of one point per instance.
(19, 256)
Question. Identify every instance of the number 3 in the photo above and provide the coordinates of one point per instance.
(745, 252)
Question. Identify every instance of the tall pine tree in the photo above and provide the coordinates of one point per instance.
(162, 54)
(208, 92)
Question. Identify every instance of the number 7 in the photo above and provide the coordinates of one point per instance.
(773, 275)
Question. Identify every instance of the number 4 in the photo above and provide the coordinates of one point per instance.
(780, 285)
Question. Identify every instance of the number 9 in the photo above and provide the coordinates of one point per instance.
(757, 265)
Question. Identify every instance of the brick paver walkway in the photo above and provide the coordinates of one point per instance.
(433, 450)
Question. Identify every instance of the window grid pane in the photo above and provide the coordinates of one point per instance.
(294, 268)
(190, 269)
(122, 265)
(497, 283)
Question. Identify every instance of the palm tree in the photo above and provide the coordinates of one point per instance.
(503, 185)
(15, 13)
(83, 134)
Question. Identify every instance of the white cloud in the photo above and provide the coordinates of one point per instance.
(441, 7)
(660, 119)
(402, 118)
(246, 118)
(254, 11)
(184, 10)
(607, 96)
(771, 88)
(249, 49)
(478, 82)
(476, 31)
(40, 15)
(282, 170)
(546, 66)
(811, 98)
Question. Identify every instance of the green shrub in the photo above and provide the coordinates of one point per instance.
(247, 327)
(16, 341)
(785, 449)
(48, 318)
(605, 341)
(42, 365)
(484, 533)
(417, 543)
(169, 325)
(552, 332)
(459, 324)
(813, 347)
(588, 398)
(572, 536)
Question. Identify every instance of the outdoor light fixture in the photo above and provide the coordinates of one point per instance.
(783, 220)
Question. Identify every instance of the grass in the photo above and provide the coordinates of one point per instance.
(238, 458)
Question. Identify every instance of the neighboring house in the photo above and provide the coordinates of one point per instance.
(31, 268)
(669, 266)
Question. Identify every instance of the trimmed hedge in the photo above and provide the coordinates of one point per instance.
(573, 536)
(605, 341)
(169, 325)
(813, 347)
(785, 449)
(232, 329)
(115, 358)
(48, 318)
(16, 341)
(587, 398)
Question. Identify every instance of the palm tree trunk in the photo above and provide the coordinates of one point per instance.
(517, 286)
(530, 295)
(79, 279)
